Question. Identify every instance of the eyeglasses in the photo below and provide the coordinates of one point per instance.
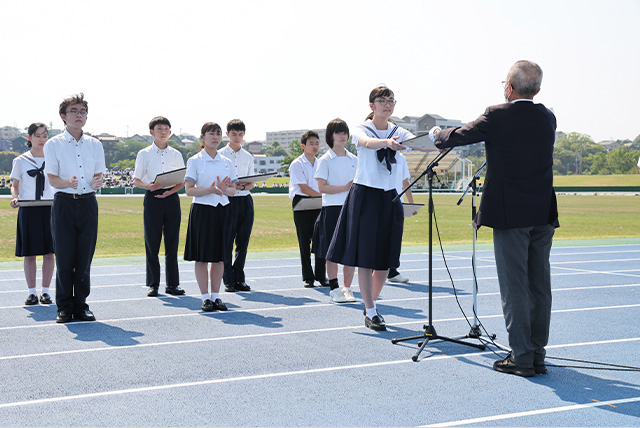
(383, 102)
(77, 112)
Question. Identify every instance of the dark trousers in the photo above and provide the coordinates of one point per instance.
(524, 275)
(162, 215)
(74, 227)
(240, 212)
(305, 221)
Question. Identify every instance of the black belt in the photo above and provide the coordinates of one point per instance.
(76, 195)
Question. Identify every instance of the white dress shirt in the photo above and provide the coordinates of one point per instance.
(67, 158)
(27, 189)
(152, 161)
(242, 161)
(371, 172)
(203, 171)
(302, 172)
(336, 171)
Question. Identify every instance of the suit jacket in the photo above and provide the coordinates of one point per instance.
(518, 187)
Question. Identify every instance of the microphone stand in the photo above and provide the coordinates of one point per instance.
(429, 330)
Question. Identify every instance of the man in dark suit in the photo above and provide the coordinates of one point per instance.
(519, 203)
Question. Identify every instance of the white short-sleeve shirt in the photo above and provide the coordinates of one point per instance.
(152, 161)
(371, 172)
(337, 171)
(403, 169)
(19, 171)
(204, 170)
(242, 161)
(302, 172)
(67, 158)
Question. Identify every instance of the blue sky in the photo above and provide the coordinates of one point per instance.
(298, 64)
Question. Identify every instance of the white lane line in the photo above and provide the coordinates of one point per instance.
(621, 272)
(535, 412)
(259, 376)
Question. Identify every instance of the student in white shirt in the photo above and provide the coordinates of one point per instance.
(240, 210)
(369, 230)
(33, 237)
(162, 213)
(302, 184)
(209, 179)
(334, 174)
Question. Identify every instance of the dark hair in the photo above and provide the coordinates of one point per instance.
(336, 126)
(74, 99)
(33, 128)
(236, 125)
(310, 133)
(210, 127)
(159, 120)
(380, 91)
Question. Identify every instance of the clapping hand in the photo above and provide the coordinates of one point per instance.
(219, 186)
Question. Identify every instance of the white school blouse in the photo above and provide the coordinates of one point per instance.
(337, 171)
(302, 172)
(403, 169)
(27, 190)
(371, 172)
(242, 161)
(204, 170)
(65, 158)
(152, 161)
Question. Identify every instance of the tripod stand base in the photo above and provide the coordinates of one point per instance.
(431, 334)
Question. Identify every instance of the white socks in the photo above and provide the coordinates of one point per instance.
(33, 291)
(205, 297)
(371, 313)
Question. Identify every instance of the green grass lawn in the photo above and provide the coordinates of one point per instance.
(596, 180)
(121, 228)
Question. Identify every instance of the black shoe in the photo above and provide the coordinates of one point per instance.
(45, 299)
(242, 286)
(218, 305)
(364, 312)
(31, 300)
(176, 290)
(376, 323)
(323, 282)
(540, 368)
(508, 365)
(85, 315)
(230, 288)
(63, 317)
(308, 284)
(207, 305)
(153, 291)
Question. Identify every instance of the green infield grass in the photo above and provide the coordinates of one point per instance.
(121, 228)
(596, 180)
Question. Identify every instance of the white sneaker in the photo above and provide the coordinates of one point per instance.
(398, 278)
(348, 295)
(337, 296)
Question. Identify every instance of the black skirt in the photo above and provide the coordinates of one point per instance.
(205, 233)
(323, 230)
(369, 230)
(33, 236)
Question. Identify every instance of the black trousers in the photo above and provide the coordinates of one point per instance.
(305, 221)
(240, 223)
(74, 227)
(162, 215)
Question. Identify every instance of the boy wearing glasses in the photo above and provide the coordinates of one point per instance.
(161, 206)
(74, 164)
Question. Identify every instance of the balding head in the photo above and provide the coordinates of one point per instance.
(525, 77)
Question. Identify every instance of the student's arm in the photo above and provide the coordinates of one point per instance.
(245, 186)
(171, 191)
(307, 190)
(15, 192)
(330, 190)
(59, 183)
(219, 187)
(151, 186)
(377, 143)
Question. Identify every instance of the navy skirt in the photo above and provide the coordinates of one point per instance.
(369, 230)
(33, 236)
(323, 230)
(205, 233)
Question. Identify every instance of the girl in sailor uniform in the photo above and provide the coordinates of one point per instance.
(369, 230)
(33, 237)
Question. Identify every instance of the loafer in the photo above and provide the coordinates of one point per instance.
(45, 299)
(242, 286)
(153, 292)
(508, 365)
(218, 305)
(85, 315)
(176, 291)
(377, 323)
(31, 300)
(540, 368)
(308, 284)
(364, 312)
(207, 305)
(230, 288)
(63, 317)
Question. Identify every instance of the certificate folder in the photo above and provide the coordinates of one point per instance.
(35, 203)
(256, 178)
(171, 178)
(409, 209)
(306, 204)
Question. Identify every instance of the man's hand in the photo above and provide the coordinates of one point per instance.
(96, 182)
(433, 132)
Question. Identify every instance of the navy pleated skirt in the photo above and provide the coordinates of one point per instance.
(33, 236)
(369, 230)
(323, 230)
(205, 233)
